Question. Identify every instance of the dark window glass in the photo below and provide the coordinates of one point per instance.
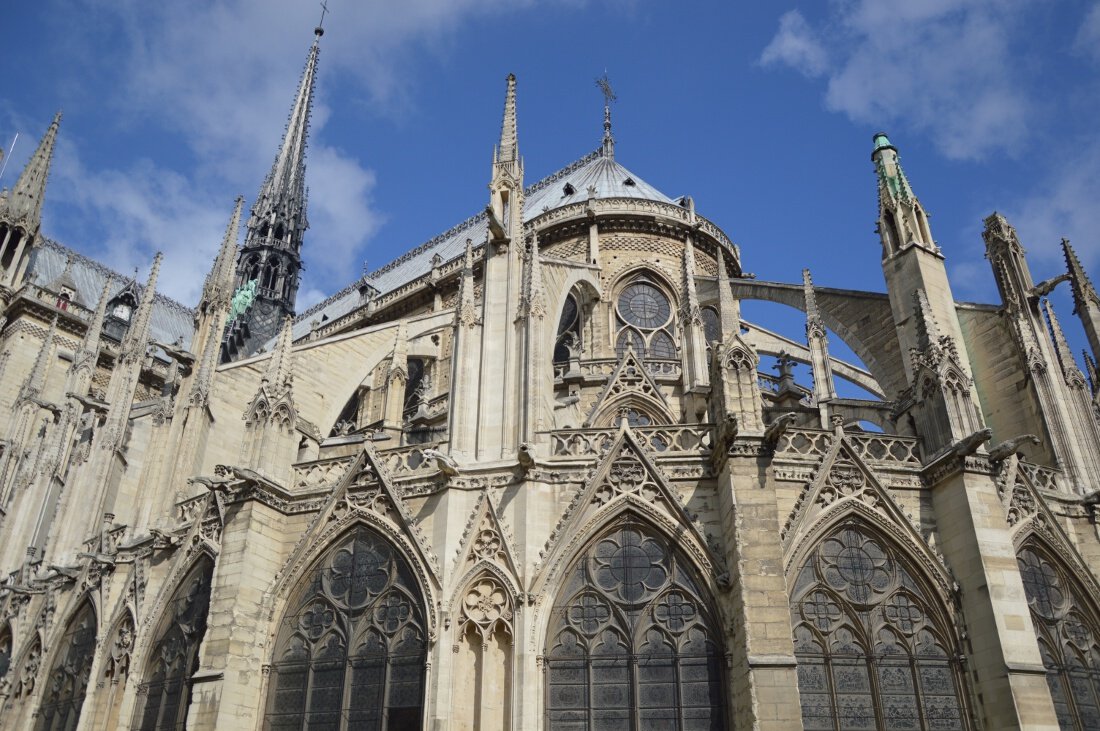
(569, 330)
(1068, 633)
(871, 650)
(175, 656)
(352, 654)
(712, 326)
(631, 642)
(67, 682)
(643, 305)
(5, 653)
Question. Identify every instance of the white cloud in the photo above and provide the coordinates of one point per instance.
(1087, 41)
(221, 76)
(796, 45)
(946, 68)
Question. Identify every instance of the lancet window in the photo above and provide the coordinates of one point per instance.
(712, 325)
(1068, 631)
(174, 657)
(67, 683)
(5, 654)
(568, 336)
(644, 316)
(632, 643)
(874, 648)
(351, 652)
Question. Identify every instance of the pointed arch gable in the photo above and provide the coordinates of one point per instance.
(486, 545)
(843, 487)
(364, 494)
(630, 384)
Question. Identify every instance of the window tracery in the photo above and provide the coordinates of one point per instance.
(174, 657)
(873, 651)
(644, 317)
(1067, 633)
(568, 336)
(631, 642)
(352, 652)
(67, 683)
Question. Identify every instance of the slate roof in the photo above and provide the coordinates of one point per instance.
(170, 319)
(607, 175)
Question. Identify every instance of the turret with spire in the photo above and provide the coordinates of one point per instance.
(272, 254)
(21, 209)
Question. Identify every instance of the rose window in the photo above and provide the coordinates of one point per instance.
(644, 317)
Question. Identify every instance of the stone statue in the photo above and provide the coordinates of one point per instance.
(242, 300)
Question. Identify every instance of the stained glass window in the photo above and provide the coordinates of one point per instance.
(67, 683)
(569, 331)
(644, 321)
(873, 651)
(632, 644)
(351, 653)
(175, 656)
(1067, 631)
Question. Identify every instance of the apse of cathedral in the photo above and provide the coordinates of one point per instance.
(537, 473)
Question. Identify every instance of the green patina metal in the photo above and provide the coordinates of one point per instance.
(242, 300)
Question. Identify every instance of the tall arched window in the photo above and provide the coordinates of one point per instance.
(874, 648)
(351, 651)
(645, 320)
(1068, 631)
(67, 682)
(174, 657)
(569, 330)
(5, 652)
(632, 643)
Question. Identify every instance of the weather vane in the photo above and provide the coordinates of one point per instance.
(324, 9)
(608, 96)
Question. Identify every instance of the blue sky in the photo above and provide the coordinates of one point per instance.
(762, 111)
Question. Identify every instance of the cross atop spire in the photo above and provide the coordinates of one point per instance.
(608, 96)
(22, 205)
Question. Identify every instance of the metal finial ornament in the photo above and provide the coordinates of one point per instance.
(320, 29)
(604, 83)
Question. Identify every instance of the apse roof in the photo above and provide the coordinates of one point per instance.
(568, 185)
(170, 320)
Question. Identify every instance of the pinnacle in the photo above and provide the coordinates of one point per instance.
(508, 150)
(1083, 291)
(23, 205)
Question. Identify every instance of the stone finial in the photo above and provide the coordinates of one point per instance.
(815, 328)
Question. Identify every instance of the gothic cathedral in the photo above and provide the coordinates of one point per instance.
(532, 475)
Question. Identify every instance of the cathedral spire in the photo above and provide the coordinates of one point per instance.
(218, 288)
(506, 160)
(608, 147)
(271, 258)
(22, 205)
(902, 220)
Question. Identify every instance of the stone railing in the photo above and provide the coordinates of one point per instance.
(1044, 478)
(321, 473)
(110, 541)
(886, 448)
(402, 461)
(604, 367)
(190, 510)
(691, 438)
(812, 443)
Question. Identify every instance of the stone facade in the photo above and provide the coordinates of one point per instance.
(530, 476)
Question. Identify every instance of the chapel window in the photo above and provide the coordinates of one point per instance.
(875, 649)
(644, 314)
(632, 642)
(174, 657)
(67, 683)
(351, 653)
(1067, 630)
(569, 330)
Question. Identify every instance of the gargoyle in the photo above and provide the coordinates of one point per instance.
(445, 464)
(1009, 447)
(526, 456)
(778, 427)
(185, 357)
(969, 445)
(724, 434)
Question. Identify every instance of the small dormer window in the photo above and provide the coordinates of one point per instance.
(568, 190)
(630, 182)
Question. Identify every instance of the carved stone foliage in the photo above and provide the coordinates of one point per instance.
(351, 651)
(67, 683)
(631, 635)
(1068, 630)
(875, 647)
(174, 656)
